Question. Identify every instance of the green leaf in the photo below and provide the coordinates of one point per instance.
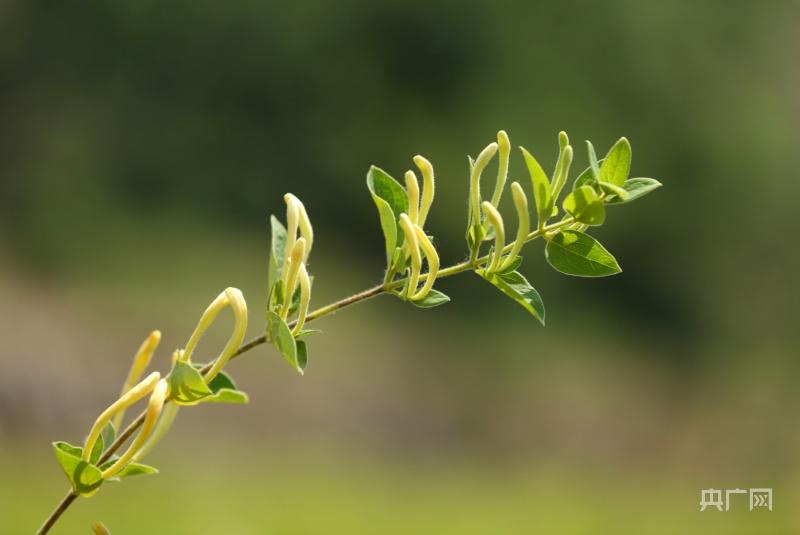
(541, 186)
(187, 386)
(636, 187)
(302, 354)
(109, 435)
(85, 478)
(391, 200)
(617, 163)
(277, 254)
(136, 469)
(433, 299)
(515, 286)
(307, 332)
(228, 395)
(223, 388)
(220, 381)
(281, 337)
(585, 206)
(575, 253)
(594, 165)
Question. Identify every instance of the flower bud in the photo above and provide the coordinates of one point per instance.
(433, 263)
(521, 204)
(140, 362)
(412, 248)
(504, 149)
(412, 188)
(154, 406)
(428, 187)
(305, 298)
(480, 164)
(496, 220)
(130, 397)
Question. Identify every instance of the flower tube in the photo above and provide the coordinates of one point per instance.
(496, 220)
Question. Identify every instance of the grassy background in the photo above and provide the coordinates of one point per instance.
(143, 147)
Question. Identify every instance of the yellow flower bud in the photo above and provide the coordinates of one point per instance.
(481, 162)
(154, 406)
(306, 230)
(130, 397)
(412, 247)
(496, 220)
(521, 204)
(433, 263)
(504, 149)
(412, 188)
(140, 362)
(235, 300)
(428, 187)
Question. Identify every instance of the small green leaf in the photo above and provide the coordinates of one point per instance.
(302, 354)
(433, 299)
(187, 386)
(223, 388)
(277, 254)
(617, 163)
(85, 478)
(228, 395)
(541, 186)
(594, 165)
(391, 200)
(136, 469)
(515, 286)
(109, 435)
(281, 337)
(636, 187)
(578, 254)
(585, 206)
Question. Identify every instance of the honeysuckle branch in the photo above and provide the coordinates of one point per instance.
(402, 212)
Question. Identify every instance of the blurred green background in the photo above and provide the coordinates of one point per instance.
(144, 144)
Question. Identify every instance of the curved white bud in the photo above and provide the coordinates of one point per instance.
(480, 164)
(140, 362)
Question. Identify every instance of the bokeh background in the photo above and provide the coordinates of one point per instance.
(144, 144)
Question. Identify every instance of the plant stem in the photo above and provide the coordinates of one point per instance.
(321, 312)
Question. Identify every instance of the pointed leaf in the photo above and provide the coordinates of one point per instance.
(187, 386)
(517, 287)
(612, 189)
(391, 200)
(85, 478)
(594, 165)
(541, 186)
(277, 254)
(617, 163)
(578, 254)
(228, 395)
(636, 187)
(136, 469)
(433, 299)
(281, 337)
(302, 354)
(585, 206)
